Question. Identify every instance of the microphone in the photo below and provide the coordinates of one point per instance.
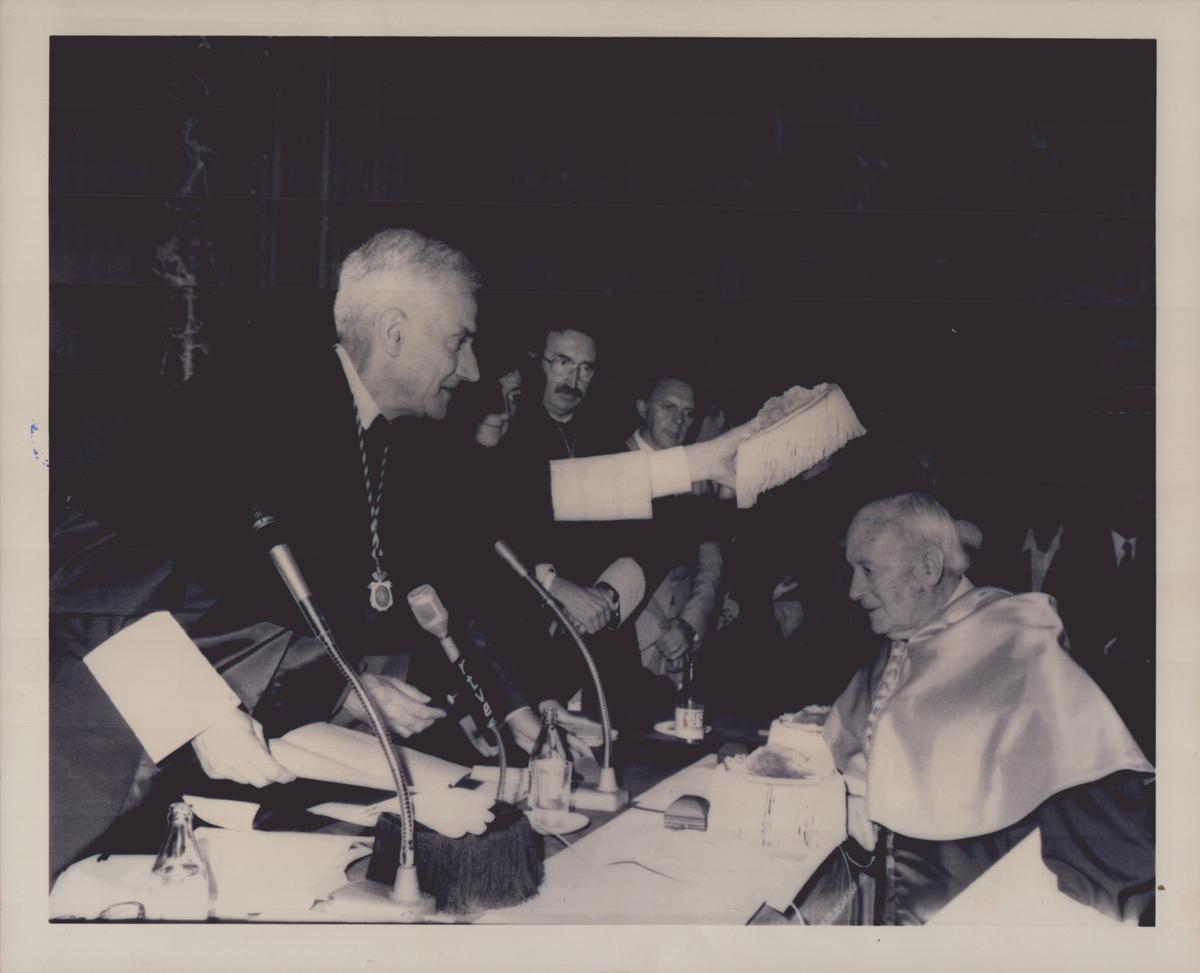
(406, 891)
(615, 798)
(432, 616)
(503, 867)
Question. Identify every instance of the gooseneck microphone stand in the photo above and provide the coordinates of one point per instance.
(608, 796)
(410, 902)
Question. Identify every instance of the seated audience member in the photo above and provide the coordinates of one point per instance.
(594, 573)
(713, 422)
(1022, 554)
(486, 409)
(1105, 587)
(674, 620)
(972, 727)
(785, 572)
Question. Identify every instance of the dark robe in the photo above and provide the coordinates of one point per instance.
(580, 552)
(169, 529)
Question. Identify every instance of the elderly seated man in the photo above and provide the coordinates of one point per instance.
(973, 726)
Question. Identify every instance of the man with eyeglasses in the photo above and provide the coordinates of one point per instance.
(595, 572)
(569, 364)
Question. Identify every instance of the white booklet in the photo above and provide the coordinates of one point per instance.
(323, 751)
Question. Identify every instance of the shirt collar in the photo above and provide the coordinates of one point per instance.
(1031, 544)
(368, 411)
(641, 443)
(1119, 545)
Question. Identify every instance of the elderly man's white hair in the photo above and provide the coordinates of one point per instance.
(920, 519)
(367, 279)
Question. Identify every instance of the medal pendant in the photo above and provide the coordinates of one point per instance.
(381, 595)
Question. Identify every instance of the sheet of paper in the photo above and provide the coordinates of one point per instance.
(275, 874)
(322, 751)
(222, 813)
(1019, 890)
(635, 870)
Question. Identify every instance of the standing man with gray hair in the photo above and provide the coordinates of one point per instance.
(973, 726)
(177, 653)
(157, 590)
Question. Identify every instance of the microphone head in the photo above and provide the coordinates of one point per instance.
(429, 611)
(513, 561)
(265, 528)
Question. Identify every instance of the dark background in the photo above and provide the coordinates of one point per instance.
(959, 232)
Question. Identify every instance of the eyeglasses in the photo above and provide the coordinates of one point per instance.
(564, 365)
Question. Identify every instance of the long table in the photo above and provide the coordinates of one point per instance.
(634, 870)
(624, 868)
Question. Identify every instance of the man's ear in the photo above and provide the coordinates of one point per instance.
(933, 563)
(392, 328)
(643, 407)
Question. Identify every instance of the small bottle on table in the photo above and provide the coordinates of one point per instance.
(689, 709)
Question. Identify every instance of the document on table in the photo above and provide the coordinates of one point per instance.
(276, 874)
(1018, 890)
(323, 751)
(635, 870)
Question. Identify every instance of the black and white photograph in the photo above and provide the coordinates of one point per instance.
(674, 480)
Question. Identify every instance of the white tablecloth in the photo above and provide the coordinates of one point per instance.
(635, 870)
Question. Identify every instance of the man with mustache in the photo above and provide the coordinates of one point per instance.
(595, 572)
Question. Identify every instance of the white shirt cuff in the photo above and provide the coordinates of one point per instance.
(614, 487)
(669, 473)
(160, 683)
(545, 575)
(628, 580)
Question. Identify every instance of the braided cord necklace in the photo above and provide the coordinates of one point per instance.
(379, 587)
(568, 443)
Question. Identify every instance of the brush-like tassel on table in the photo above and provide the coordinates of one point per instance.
(502, 867)
(792, 433)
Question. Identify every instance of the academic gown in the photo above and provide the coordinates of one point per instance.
(978, 729)
(580, 551)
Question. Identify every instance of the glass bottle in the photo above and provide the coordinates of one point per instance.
(689, 710)
(180, 871)
(550, 775)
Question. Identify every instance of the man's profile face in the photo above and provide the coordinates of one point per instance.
(668, 414)
(568, 362)
(887, 578)
(436, 349)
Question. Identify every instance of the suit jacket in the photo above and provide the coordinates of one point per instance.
(1005, 564)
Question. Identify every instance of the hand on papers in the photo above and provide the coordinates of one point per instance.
(589, 608)
(403, 707)
(454, 811)
(234, 749)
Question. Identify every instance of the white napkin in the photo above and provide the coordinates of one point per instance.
(276, 874)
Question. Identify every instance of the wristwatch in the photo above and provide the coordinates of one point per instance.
(614, 599)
